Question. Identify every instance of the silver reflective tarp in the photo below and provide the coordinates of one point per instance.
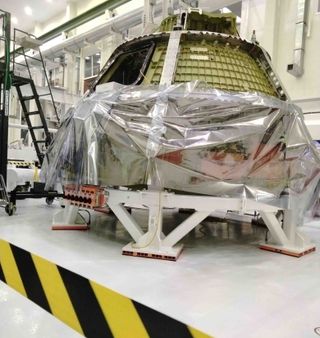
(189, 139)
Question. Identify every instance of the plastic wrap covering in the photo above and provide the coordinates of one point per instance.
(189, 139)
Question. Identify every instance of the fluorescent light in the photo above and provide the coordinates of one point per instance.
(28, 10)
(50, 1)
(14, 20)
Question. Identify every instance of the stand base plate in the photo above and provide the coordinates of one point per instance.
(170, 254)
(289, 252)
(70, 227)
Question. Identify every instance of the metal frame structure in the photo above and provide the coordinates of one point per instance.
(7, 80)
(285, 237)
(33, 40)
(5, 85)
(4, 198)
(29, 41)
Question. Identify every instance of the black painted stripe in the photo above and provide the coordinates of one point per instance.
(30, 277)
(87, 308)
(2, 275)
(159, 325)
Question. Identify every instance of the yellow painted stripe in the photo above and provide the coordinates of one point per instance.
(198, 334)
(10, 269)
(56, 292)
(120, 313)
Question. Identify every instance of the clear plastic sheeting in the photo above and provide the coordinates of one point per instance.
(189, 139)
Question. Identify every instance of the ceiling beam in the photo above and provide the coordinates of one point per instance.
(82, 19)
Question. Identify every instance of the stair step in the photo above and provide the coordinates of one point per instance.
(32, 113)
(37, 127)
(26, 98)
(28, 56)
(20, 81)
(40, 141)
(21, 64)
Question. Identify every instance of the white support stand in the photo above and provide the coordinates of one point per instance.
(287, 239)
(154, 244)
(69, 219)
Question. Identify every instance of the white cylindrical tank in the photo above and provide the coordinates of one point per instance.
(19, 176)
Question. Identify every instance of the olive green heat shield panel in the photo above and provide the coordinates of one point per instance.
(207, 49)
(207, 22)
(220, 66)
(154, 72)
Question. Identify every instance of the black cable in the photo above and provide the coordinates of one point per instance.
(266, 237)
(82, 218)
(89, 218)
(202, 229)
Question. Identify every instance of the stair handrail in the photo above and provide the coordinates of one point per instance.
(28, 67)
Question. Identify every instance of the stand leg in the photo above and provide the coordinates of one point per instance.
(150, 244)
(287, 240)
(126, 219)
(185, 227)
(69, 219)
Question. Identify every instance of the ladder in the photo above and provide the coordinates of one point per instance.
(35, 117)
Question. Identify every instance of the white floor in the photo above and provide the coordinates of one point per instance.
(21, 318)
(222, 283)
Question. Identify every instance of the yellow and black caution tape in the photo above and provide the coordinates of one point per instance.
(89, 308)
(21, 164)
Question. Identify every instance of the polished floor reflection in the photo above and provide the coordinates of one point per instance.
(21, 318)
(211, 230)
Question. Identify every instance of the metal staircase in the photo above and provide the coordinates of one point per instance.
(22, 58)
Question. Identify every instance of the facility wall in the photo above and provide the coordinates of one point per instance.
(274, 23)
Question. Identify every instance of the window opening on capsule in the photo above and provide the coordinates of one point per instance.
(129, 67)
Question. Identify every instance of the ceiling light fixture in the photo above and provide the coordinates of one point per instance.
(14, 20)
(28, 10)
(50, 1)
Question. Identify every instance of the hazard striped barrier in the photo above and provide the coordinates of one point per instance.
(89, 308)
